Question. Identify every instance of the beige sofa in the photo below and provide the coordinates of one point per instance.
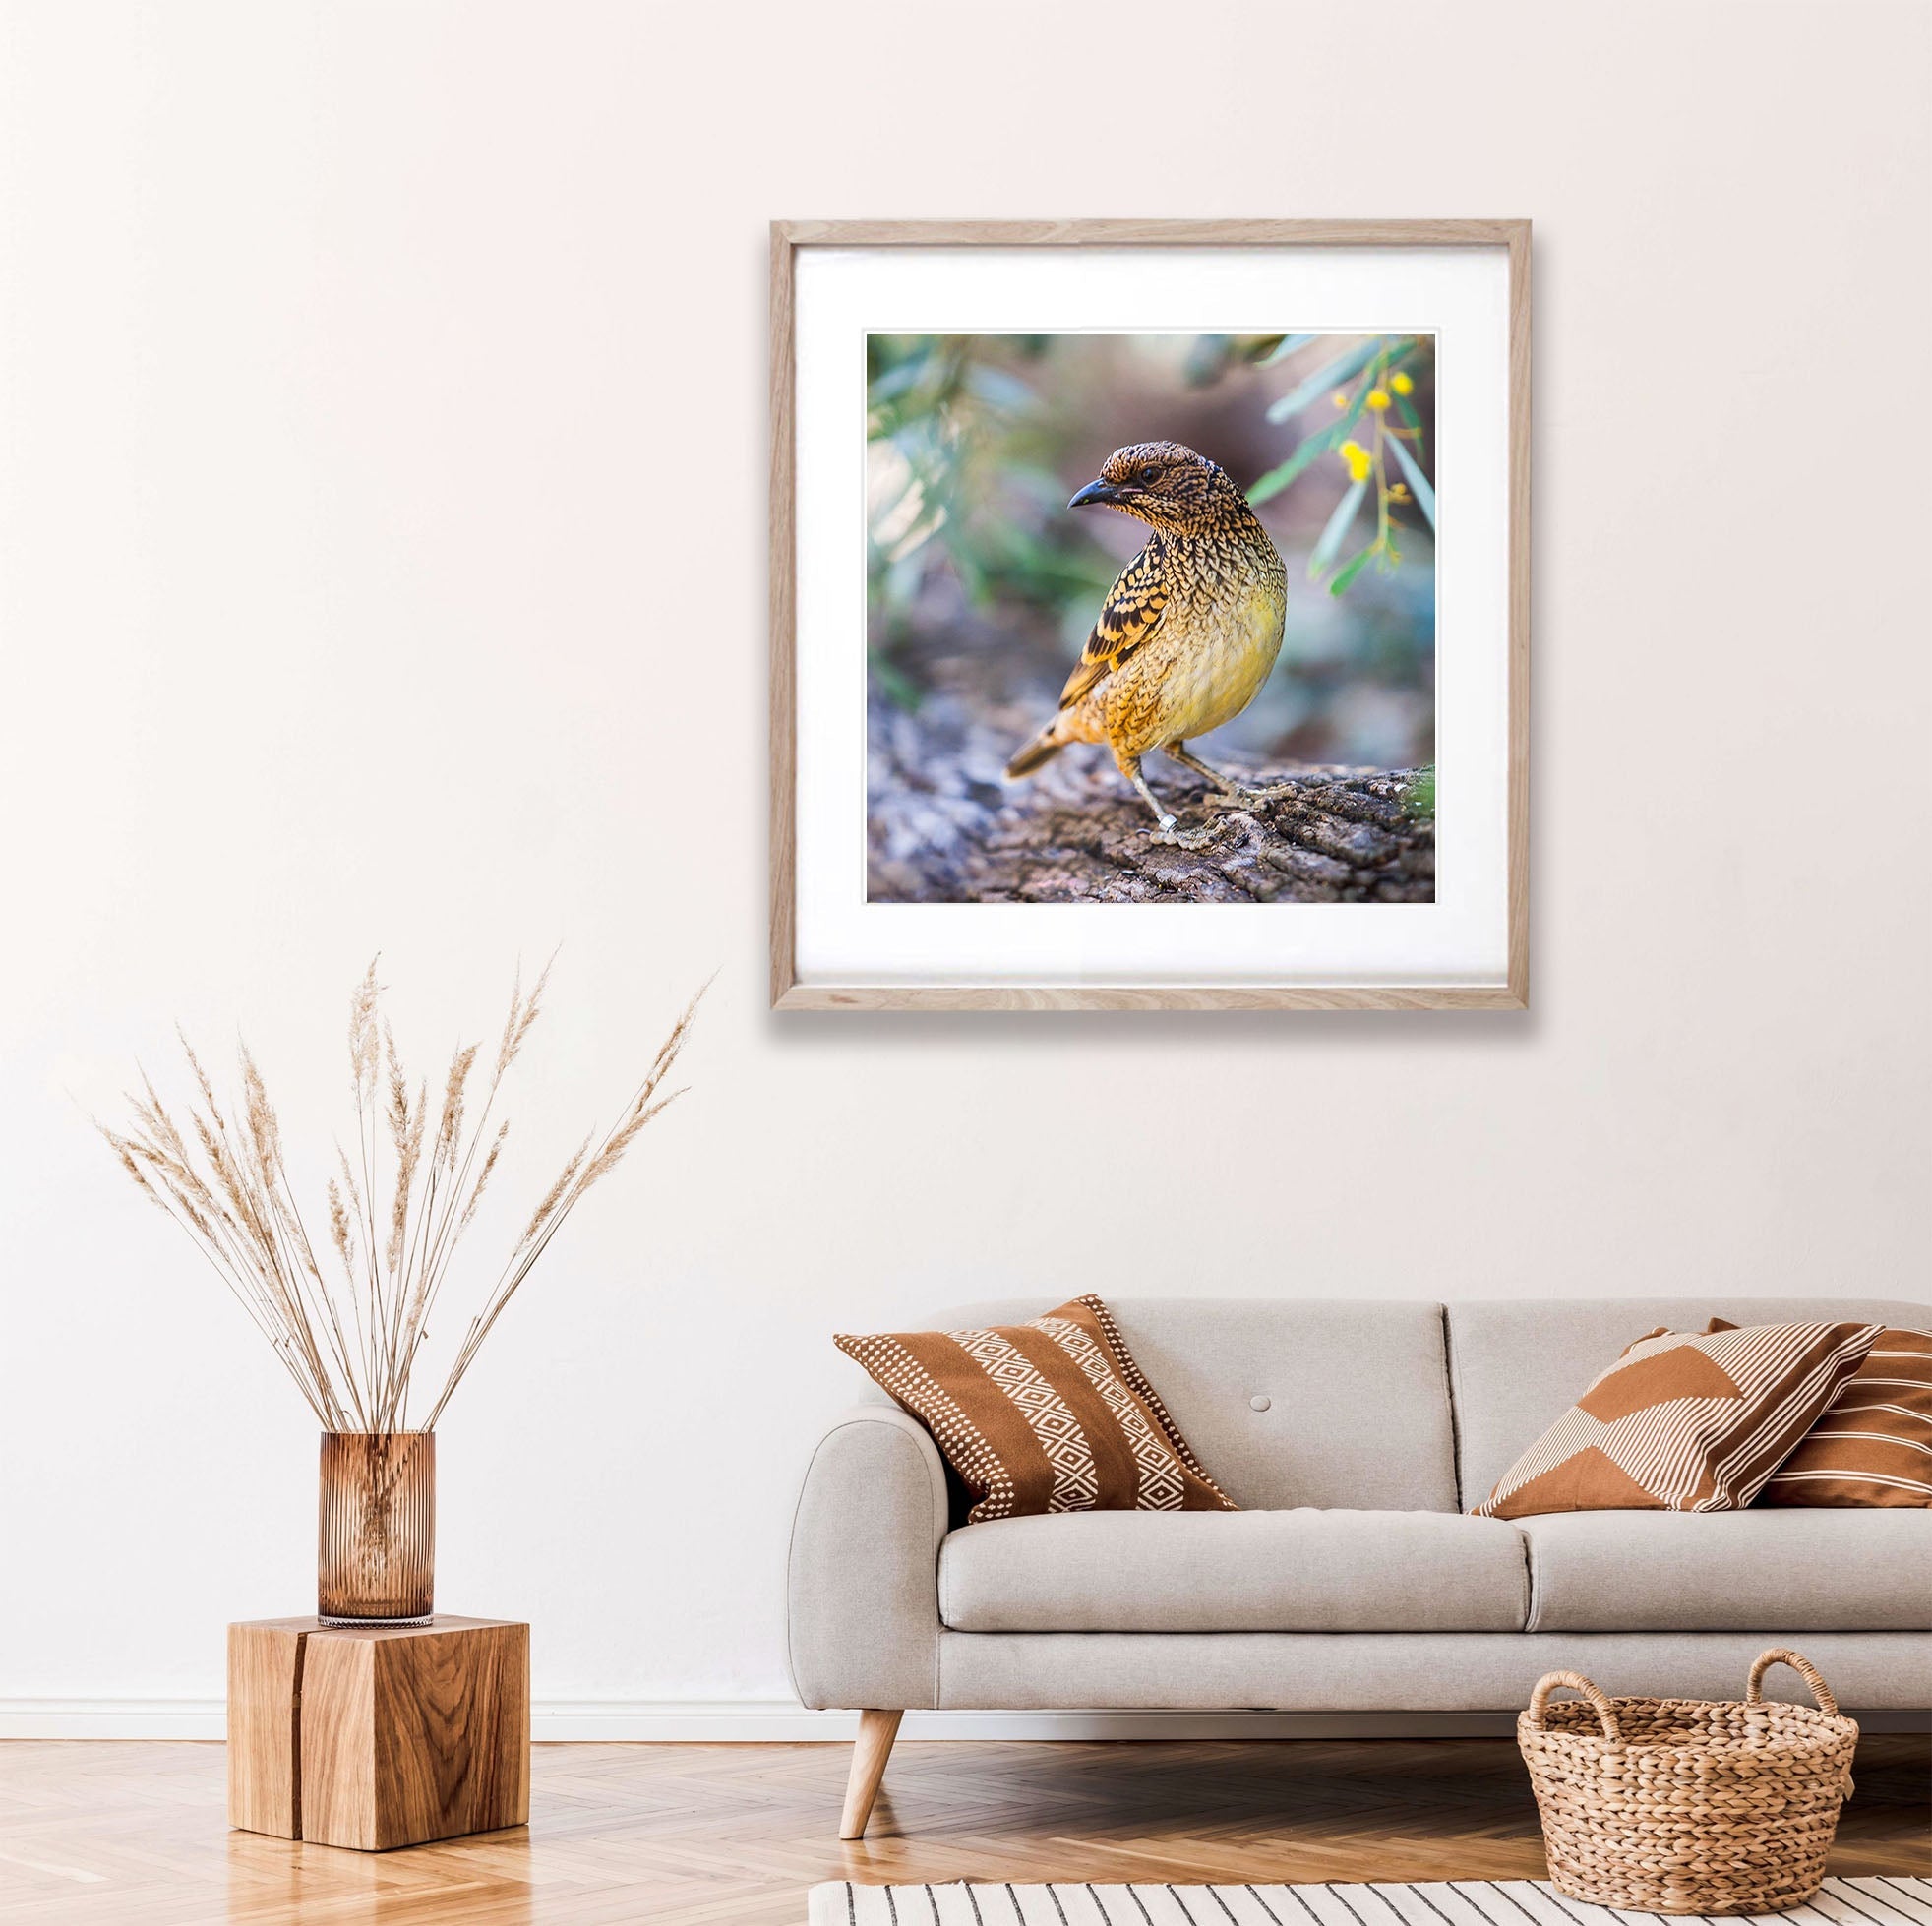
(1354, 1436)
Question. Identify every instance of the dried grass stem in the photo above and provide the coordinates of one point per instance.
(351, 1343)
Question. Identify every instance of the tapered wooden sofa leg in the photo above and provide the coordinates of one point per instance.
(876, 1731)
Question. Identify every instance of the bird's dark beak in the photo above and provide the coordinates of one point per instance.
(1095, 491)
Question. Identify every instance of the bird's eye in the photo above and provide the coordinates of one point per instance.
(1149, 472)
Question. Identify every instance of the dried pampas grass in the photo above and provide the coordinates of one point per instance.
(349, 1327)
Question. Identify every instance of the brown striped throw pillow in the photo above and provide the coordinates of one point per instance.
(1873, 1446)
(1045, 1417)
(1685, 1423)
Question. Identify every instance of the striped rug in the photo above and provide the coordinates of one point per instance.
(1875, 1901)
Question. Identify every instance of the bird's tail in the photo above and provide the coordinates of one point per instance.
(1040, 750)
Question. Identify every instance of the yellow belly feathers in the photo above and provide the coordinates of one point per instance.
(1202, 671)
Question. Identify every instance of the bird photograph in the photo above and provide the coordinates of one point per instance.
(1189, 664)
(1189, 630)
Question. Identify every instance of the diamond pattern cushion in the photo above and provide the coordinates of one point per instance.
(1684, 1424)
(1050, 1415)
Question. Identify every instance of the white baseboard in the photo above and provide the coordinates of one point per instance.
(112, 1718)
(761, 1721)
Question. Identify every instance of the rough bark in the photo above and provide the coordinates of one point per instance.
(945, 827)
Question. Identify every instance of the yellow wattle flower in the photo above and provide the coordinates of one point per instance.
(1341, 398)
(1358, 459)
(1378, 399)
(1402, 384)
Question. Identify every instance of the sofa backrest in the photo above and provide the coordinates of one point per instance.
(1355, 1411)
(1516, 1367)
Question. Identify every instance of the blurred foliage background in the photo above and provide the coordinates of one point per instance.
(982, 584)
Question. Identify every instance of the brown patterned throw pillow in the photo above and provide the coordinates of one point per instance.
(1873, 1446)
(1684, 1424)
(1045, 1417)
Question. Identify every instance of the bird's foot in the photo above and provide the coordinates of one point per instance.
(1243, 798)
(1192, 840)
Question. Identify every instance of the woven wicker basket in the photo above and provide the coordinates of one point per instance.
(1688, 1805)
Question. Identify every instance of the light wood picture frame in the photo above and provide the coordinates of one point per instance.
(798, 984)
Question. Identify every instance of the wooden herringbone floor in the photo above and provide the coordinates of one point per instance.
(135, 1835)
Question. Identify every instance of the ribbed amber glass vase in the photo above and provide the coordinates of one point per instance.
(377, 1556)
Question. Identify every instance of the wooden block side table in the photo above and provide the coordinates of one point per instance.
(378, 1736)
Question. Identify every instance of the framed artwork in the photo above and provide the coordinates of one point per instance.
(1149, 615)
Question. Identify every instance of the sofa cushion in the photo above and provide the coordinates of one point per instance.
(1281, 1571)
(1405, 1672)
(1684, 1424)
(1296, 1403)
(1873, 1445)
(1514, 1367)
(1051, 1415)
(1813, 1570)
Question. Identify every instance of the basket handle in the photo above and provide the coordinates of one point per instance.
(1576, 1683)
(1800, 1664)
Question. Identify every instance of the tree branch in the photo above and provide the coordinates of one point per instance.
(945, 826)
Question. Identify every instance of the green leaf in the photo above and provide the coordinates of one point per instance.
(1417, 481)
(1330, 539)
(1351, 569)
(1324, 441)
(1332, 375)
(1305, 457)
(1411, 420)
(1287, 344)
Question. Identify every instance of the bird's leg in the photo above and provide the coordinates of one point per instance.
(1181, 755)
(1130, 768)
(1232, 793)
(1166, 832)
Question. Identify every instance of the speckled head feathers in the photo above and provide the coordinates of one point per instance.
(1164, 484)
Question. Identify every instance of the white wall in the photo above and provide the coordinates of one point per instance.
(382, 499)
